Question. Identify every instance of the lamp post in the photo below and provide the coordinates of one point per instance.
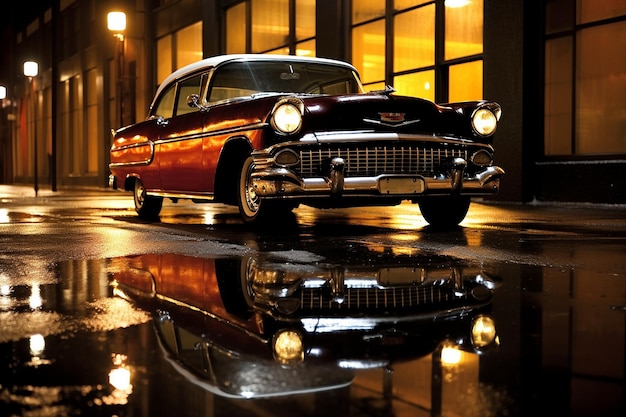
(116, 23)
(3, 95)
(31, 70)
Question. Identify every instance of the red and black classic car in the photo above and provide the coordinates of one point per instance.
(267, 133)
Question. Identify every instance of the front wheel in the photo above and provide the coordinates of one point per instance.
(252, 208)
(248, 201)
(147, 206)
(444, 212)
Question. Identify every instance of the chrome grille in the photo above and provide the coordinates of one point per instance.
(376, 160)
(381, 300)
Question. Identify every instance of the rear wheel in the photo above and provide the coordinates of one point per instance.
(146, 206)
(444, 212)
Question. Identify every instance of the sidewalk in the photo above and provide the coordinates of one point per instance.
(28, 191)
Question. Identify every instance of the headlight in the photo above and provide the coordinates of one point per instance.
(484, 122)
(287, 116)
(288, 347)
(483, 331)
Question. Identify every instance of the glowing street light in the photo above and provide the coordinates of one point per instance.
(31, 69)
(116, 23)
(3, 92)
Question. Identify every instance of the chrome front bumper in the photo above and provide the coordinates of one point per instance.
(374, 164)
(282, 182)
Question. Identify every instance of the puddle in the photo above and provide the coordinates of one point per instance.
(286, 332)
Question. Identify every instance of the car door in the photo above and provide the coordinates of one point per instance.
(180, 140)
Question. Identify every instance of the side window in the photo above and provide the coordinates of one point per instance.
(185, 89)
(165, 107)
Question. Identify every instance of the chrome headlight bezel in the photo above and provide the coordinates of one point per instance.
(485, 119)
(286, 116)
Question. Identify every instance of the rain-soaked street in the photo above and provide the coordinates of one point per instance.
(521, 311)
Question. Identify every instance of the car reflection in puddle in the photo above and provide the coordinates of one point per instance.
(141, 335)
(261, 327)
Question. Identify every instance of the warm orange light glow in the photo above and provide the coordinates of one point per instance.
(456, 3)
(116, 21)
(31, 69)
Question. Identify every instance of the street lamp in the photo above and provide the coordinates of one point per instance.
(31, 70)
(116, 23)
(3, 92)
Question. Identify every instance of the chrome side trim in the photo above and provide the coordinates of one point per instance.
(228, 131)
(182, 196)
(147, 161)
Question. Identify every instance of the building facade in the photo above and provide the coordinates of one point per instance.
(556, 68)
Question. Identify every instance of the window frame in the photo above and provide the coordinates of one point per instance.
(441, 66)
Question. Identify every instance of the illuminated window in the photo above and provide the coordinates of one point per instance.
(364, 10)
(237, 28)
(270, 24)
(405, 43)
(417, 84)
(305, 18)
(600, 90)
(558, 97)
(464, 28)
(274, 29)
(188, 45)
(164, 61)
(584, 93)
(368, 51)
(414, 39)
(179, 49)
(91, 98)
(594, 10)
(466, 81)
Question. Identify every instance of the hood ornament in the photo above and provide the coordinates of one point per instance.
(391, 117)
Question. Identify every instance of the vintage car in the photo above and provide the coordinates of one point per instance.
(267, 133)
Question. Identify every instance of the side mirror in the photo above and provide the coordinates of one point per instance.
(193, 100)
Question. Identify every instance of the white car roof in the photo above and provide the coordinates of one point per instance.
(219, 59)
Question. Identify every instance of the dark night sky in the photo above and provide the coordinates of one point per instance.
(21, 12)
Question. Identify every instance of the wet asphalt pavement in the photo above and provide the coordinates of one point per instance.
(102, 314)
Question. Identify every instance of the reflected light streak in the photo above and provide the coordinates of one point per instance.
(4, 216)
(5, 289)
(450, 356)
(330, 324)
(37, 344)
(35, 301)
(357, 364)
(119, 376)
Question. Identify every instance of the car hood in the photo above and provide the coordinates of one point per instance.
(382, 112)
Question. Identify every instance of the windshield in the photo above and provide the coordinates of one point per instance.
(239, 79)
